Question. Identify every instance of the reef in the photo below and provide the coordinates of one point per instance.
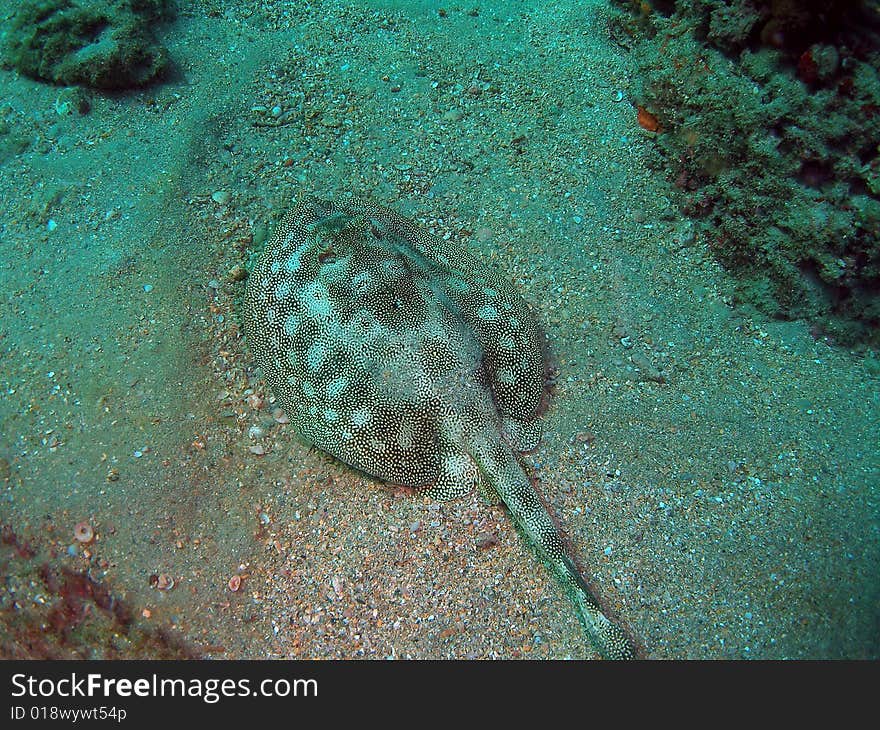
(768, 125)
(103, 45)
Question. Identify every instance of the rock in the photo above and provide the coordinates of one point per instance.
(102, 45)
(73, 99)
(648, 371)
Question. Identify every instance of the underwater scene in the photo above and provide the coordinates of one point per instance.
(402, 329)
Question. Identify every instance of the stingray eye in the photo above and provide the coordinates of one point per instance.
(376, 230)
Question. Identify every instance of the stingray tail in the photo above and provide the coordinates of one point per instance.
(501, 469)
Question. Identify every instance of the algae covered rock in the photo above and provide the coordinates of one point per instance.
(770, 118)
(103, 45)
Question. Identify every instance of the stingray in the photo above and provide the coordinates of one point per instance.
(405, 357)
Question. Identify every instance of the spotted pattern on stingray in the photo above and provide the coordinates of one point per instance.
(404, 356)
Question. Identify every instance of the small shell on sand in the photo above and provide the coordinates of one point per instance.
(83, 533)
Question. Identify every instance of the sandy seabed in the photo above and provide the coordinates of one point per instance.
(716, 473)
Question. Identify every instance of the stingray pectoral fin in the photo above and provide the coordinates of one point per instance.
(499, 467)
(458, 476)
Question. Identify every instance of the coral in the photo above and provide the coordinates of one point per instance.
(730, 26)
(771, 112)
(109, 46)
